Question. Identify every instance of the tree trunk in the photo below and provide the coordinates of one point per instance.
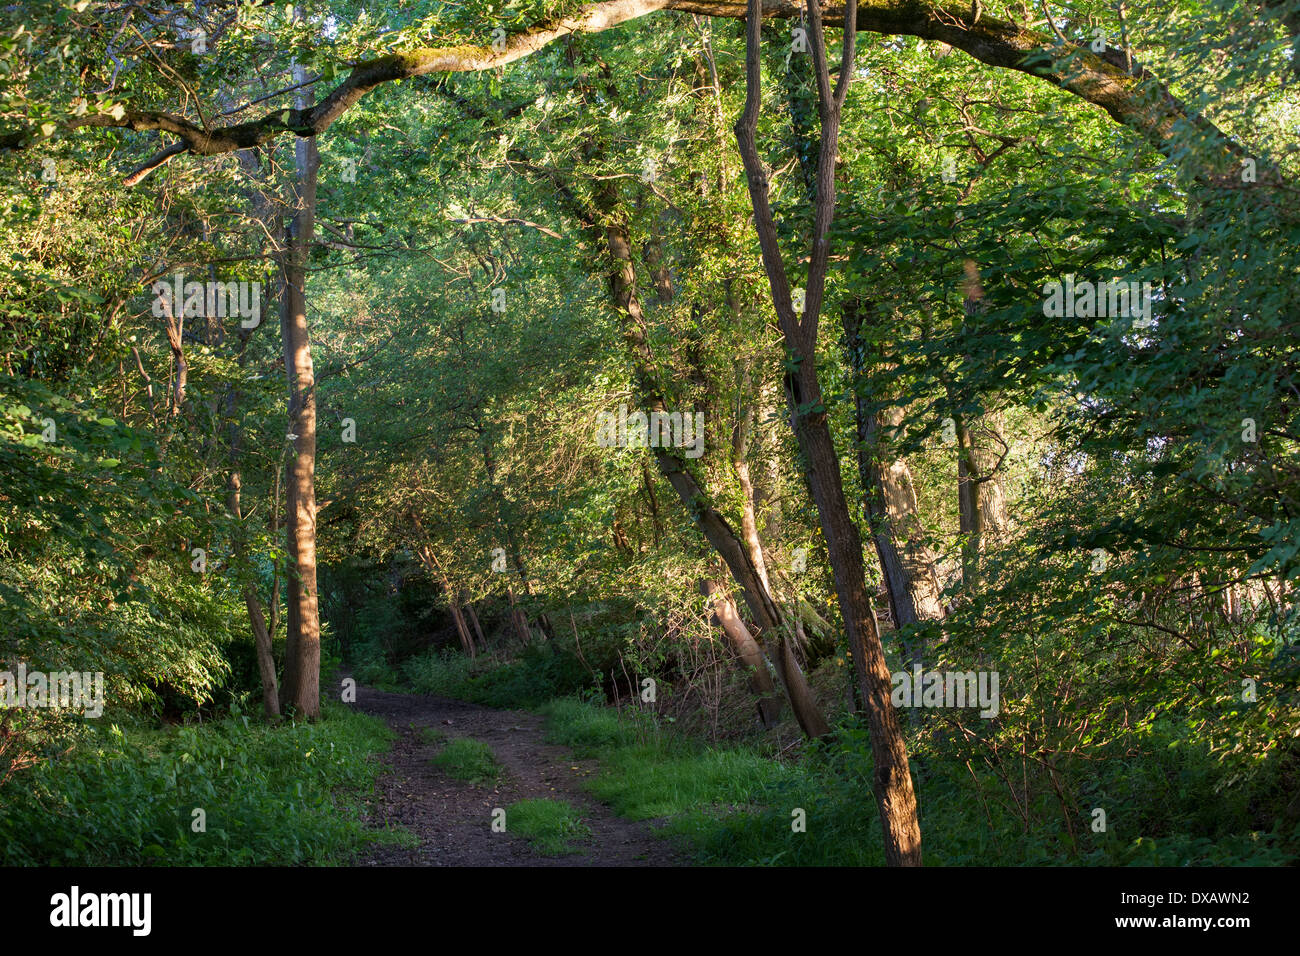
(740, 460)
(767, 492)
(981, 502)
(747, 651)
(458, 617)
(717, 530)
(895, 797)
(464, 624)
(261, 638)
(301, 689)
(175, 339)
(906, 562)
(277, 577)
(473, 619)
(256, 620)
(519, 619)
(988, 446)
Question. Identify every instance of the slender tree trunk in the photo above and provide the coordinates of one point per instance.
(740, 461)
(461, 604)
(767, 493)
(458, 617)
(968, 515)
(988, 447)
(301, 689)
(890, 503)
(895, 797)
(519, 618)
(893, 783)
(277, 577)
(256, 620)
(175, 339)
(473, 619)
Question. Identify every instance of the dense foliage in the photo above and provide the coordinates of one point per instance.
(1133, 478)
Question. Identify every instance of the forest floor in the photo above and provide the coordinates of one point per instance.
(453, 820)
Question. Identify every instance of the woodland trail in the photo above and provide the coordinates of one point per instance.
(452, 819)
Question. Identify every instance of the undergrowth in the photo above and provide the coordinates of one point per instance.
(230, 792)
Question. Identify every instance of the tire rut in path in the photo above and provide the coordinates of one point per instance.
(452, 819)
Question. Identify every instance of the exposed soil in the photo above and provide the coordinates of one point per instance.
(452, 819)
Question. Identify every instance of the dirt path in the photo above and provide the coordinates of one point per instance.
(453, 819)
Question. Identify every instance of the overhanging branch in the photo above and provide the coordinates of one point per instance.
(1134, 99)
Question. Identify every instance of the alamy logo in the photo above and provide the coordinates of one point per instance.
(73, 909)
(1089, 300)
(214, 299)
(946, 689)
(656, 430)
(69, 690)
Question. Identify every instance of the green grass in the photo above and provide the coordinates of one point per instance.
(722, 805)
(272, 795)
(469, 760)
(589, 729)
(539, 674)
(735, 806)
(431, 736)
(647, 772)
(549, 825)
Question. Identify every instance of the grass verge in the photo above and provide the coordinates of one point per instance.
(737, 806)
(721, 805)
(269, 795)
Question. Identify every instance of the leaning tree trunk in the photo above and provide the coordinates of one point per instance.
(473, 619)
(462, 627)
(747, 652)
(717, 530)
